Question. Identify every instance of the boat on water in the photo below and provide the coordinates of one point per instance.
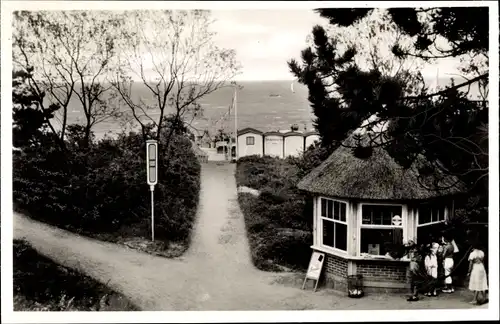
(274, 95)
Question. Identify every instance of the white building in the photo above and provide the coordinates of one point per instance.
(279, 144)
(293, 143)
(250, 142)
(310, 138)
(273, 144)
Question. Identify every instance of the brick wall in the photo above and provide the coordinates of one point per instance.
(336, 266)
(375, 270)
(388, 276)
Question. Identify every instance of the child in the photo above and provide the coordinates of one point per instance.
(413, 270)
(478, 281)
(431, 266)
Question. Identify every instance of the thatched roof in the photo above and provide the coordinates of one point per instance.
(378, 177)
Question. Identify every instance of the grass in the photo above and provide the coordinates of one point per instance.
(278, 221)
(42, 285)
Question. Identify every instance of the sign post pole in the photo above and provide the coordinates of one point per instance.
(152, 213)
(152, 177)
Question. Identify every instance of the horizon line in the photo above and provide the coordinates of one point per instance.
(139, 81)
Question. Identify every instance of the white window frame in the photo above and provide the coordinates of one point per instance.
(321, 218)
(250, 137)
(403, 226)
(445, 211)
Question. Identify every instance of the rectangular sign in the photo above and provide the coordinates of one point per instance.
(315, 265)
(152, 162)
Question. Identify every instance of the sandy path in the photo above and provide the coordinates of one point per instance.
(216, 273)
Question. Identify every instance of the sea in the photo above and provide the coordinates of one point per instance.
(263, 105)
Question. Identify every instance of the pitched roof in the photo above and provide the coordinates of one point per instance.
(249, 130)
(310, 133)
(293, 134)
(378, 177)
(273, 133)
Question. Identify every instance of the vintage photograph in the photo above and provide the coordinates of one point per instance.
(223, 159)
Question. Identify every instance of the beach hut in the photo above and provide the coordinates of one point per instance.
(365, 207)
(310, 138)
(273, 144)
(250, 142)
(293, 143)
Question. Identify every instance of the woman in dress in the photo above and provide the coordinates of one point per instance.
(477, 275)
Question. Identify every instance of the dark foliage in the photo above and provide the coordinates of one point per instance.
(466, 28)
(279, 233)
(278, 221)
(102, 188)
(29, 118)
(40, 284)
(312, 157)
(446, 127)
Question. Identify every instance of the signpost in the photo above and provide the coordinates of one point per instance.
(314, 270)
(152, 175)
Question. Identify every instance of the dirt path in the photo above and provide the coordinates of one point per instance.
(216, 273)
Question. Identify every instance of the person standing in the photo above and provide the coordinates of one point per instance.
(478, 282)
(448, 263)
(431, 266)
(440, 258)
(413, 270)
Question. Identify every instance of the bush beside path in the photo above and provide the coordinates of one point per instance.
(277, 220)
(101, 191)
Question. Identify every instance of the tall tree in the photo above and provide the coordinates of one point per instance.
(444, 125)
(30, 123)
(172, 56)
(72, 52)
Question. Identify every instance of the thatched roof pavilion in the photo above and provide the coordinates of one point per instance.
(364, 208)
(378, 177)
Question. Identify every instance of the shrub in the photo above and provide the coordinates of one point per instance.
(103, 189)
(42, 285)
(309, 159)
(290, 248)
(258, 172)
(278, 221)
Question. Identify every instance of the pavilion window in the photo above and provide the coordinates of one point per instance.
(381, 228)
(333, 224)
(431, 222)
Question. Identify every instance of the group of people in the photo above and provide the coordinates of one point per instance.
(431, 267)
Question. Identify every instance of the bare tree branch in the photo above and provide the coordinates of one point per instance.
(176, 60)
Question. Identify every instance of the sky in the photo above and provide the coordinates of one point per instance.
(265, 40)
